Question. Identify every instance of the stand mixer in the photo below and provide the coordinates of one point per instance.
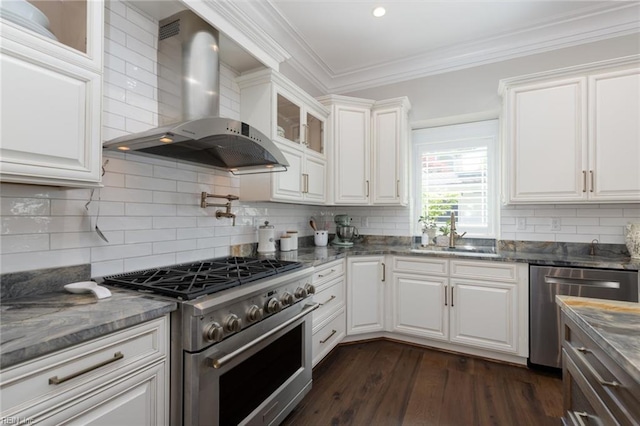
(345, 232)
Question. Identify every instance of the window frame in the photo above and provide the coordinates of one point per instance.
(460, 136)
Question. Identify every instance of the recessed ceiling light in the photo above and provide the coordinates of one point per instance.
(379, 11)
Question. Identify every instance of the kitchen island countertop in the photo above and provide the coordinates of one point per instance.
(613, 325)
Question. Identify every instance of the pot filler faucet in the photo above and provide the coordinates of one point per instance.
(219, 213)
(453, 235)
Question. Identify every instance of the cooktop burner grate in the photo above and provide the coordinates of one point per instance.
(190, 280)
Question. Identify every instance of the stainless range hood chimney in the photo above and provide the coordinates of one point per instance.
(188, 105)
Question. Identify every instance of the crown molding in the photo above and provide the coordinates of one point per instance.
(592, 24)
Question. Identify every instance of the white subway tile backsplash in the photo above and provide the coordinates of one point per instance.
(173, 222)
(124, 223)
(150, 209)
(174, 246)
(600, 212)
(24, 206)
(129, 111)
(143, 74)
(149, 236)
(122, 251)
(117, 165)
(153, 184)
(110, 267)
(68, 240)
(173, 173)
(126, 194)
(24, 243)
(114, 92)
(17, 262)
(194, 233)
(146, 262)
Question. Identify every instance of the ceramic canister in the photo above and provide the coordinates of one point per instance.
(286, 243)
(632, 238)
(266, 238)
(294, 239)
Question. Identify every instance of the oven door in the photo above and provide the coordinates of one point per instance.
(256, 376)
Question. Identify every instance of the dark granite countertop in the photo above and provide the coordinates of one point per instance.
(319, 255)
(613, 325)
(36, 325)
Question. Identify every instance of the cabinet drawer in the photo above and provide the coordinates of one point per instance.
(484, 270)
(331, 298)
(421, 265)
(328, 336)
(582, 405)
(619, 392)
(83, 367)
(328, 272)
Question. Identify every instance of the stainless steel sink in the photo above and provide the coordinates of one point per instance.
(461, 251)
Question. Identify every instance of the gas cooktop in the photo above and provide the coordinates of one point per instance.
(188, 281)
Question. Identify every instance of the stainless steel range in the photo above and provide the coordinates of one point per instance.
(240, 339)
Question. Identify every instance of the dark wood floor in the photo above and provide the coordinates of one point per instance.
(388, 383)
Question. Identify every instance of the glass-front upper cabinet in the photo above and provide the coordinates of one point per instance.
(289, 115)
(314, 133)
(76, 26)
(299, 125)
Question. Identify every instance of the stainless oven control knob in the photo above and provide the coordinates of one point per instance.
(311, 289)
(273, 305)
(213, 332)
(233, 323)
(254, 313)
(301, 293)
(287, 298)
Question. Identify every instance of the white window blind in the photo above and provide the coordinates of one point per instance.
(455, 172)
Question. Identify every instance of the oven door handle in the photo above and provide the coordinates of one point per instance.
(222, 361)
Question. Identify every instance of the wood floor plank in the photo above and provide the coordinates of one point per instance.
(385, 383)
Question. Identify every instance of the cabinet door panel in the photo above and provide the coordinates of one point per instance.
(50, 120)
(352, 155)
(483, 314)
(365, 312)
(288, 185)
(386, 157)
(419, 306)
(316, 178)
(614, 137)
(547, 136)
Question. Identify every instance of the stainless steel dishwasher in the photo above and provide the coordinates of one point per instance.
(544, 315)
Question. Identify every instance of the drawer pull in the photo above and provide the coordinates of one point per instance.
(56, 381)
(582, 350)
(329, 336)
(330, 299)
(326, 275)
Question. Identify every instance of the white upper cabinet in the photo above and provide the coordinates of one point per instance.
(296, 123)
(51, 90)
(573, 135)
(369, 147)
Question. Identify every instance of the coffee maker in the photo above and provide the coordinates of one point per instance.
(345, 232)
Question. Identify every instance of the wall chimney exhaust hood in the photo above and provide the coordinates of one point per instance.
(190, 129)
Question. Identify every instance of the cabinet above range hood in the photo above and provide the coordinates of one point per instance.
(188, 105)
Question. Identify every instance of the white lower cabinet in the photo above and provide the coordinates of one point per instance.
(329, 319)
(470, 303)
(122, 378)
(365, 294)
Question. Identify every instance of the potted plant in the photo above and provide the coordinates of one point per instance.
(429, 226)
(443, 240)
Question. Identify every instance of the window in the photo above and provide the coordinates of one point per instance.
(455, 170)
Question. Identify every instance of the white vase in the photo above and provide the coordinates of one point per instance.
(632, 238)
(427, 237)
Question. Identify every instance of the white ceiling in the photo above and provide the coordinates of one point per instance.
(338, 46)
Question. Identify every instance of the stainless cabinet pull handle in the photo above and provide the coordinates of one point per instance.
(445, 295)
(582, 350)
(591, 175)
(330, 299)
(584, 181)
(452, 296)
(326, 275)
(306, 183)
(384, 271)
(329, 336)
(398, 188)
(223, 360)
(581, 281)
(367, 187)
(56, 381)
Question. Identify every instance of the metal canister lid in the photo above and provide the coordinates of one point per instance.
(266, 225)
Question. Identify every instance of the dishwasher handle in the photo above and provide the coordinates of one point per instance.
(582, 281)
